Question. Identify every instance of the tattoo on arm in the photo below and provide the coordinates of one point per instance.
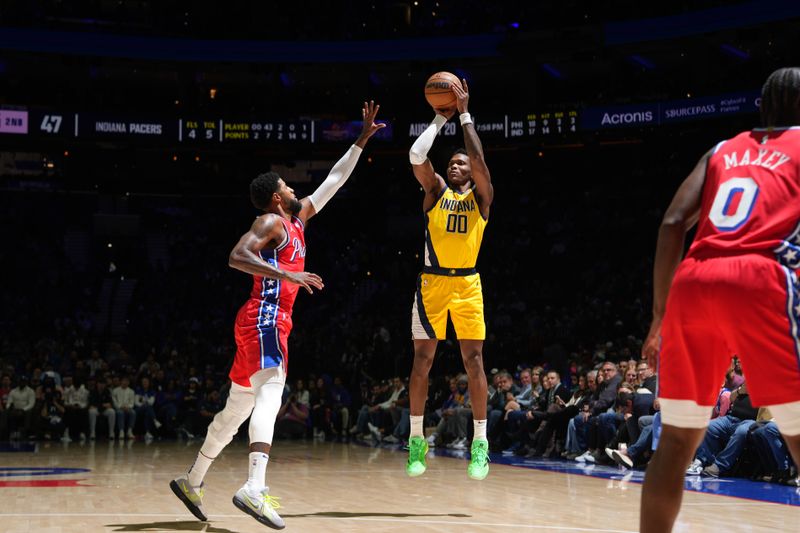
(245, 255)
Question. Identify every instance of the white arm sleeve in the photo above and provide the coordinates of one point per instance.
(336, 178)
(419, 150)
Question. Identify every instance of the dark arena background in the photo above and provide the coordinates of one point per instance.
(129, 134)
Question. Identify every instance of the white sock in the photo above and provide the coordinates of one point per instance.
(480, 429)
(257, 477)
(198, 470)
(416, 426)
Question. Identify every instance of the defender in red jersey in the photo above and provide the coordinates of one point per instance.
(736, 292)
(274, 252)
(264, 322)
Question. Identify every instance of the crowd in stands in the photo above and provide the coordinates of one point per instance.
(601, 412)
(604, 413)
(72, 398)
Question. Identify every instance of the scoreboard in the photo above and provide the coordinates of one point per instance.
(519, 126)
(215, 130)
(199, 130)
(13, 121)
(42, 123)
(53, 123)
(110, 127)
(542, 124)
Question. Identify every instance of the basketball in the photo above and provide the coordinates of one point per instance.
(438, 90)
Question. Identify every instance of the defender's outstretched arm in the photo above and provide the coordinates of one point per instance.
(344, 167)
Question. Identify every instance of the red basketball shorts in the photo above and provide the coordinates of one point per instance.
(261, 332)
(746, 305)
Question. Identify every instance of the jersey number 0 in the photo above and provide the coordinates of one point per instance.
(733, 203)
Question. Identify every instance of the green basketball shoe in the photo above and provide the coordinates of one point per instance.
(417, 448)
(479, 462)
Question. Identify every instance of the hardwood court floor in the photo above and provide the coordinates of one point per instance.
(333, 487)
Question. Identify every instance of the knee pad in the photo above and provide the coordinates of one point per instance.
(226, 423)
(240, 401)
(268, 386)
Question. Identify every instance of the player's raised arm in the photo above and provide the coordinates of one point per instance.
(344, 167)
(480, 172)
(681, 215)
(432, 183)
(245, 255)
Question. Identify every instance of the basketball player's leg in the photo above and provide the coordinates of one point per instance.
(472, 356)
(241, 399)
(466, 312)
(189, 487)
(424, 352)
(662, 491)
(428, 324)
(692, 362)
(226, 424)
(268, 385)
(253, 498)
(684, 425)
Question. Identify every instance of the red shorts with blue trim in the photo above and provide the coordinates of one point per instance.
(745, 305)
(261, 332)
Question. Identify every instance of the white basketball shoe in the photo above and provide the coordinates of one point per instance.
(260, 506)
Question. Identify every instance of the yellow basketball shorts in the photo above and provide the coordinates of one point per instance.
(436, 296)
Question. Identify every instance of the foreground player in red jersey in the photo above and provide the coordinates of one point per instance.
(736, 292)
(273, 251)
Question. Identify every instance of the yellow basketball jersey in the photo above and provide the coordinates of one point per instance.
(454, 231)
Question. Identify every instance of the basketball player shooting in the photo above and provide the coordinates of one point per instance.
(456, 213)
(273, 251)
(735, 292)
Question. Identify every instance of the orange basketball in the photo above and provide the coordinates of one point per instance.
(438, 90)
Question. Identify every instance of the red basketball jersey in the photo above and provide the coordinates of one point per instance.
(264, 322)
(751, 198)
(289, 256)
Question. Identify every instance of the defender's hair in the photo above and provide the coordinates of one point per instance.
(262, 188)
(780, 98)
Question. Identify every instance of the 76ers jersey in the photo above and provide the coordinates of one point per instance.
(751, 198)
(737, 291)
(264, 322)
(290, 256)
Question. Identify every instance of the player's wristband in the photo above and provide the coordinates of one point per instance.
(465, 118)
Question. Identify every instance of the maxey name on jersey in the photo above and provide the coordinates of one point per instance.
(766, 158)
